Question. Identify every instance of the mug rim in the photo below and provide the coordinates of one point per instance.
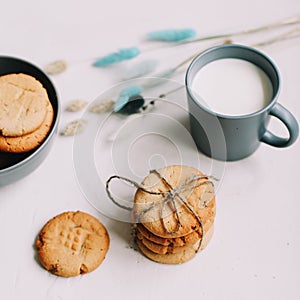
(220, 48)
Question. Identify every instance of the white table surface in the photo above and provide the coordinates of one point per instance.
(254, 253)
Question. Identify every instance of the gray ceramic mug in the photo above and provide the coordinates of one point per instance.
(235, 137)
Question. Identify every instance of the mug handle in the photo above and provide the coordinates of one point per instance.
(289, 121)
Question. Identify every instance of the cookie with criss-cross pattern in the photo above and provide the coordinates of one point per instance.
(72, 243)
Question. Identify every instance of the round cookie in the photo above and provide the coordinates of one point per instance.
(180, 257)
(171, 258)
(188, 239)
(199, 197)
(160, 249)
(72, 243)
(23, 104)
(31, 140)
(174, 247)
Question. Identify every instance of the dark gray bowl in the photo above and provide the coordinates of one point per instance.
(15, 166)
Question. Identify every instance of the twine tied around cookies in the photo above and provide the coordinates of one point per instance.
(169, 197)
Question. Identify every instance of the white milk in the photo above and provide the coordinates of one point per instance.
(232, 87)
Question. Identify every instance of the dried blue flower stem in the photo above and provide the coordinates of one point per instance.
(133, 106)
(129, 53)
(172, 35)
(156, 79)
(116, 57)
(291, 34)
(141, 69)
(279, 24)
(125, 95)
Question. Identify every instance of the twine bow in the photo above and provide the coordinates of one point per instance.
(169, 198)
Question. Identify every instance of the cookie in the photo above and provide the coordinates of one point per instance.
(31, 140)
(72, 243)
(23, 104)
(180, 257)
(170, 258)
(170, 245)
(188, 239)
(199, 195)
(160, 249)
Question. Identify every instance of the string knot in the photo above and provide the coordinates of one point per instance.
(170, 198)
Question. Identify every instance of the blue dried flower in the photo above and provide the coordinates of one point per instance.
(116, 57)
(172, 35)
(134, 105)
(125, 95)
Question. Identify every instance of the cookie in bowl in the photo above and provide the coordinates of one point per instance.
(26, 114)
(29, 117)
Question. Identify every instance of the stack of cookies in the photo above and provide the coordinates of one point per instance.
(173, 214)
(26, 114)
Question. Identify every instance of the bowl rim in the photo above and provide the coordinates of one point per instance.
(54, 127)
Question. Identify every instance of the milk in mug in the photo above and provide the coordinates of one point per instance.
(232, 87)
